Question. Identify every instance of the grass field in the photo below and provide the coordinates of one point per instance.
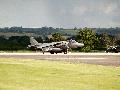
(16, 74)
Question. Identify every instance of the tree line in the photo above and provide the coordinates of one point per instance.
(44, 31)
(14, 43)
(91, 39)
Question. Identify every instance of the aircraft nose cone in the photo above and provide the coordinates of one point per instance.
(80, 44)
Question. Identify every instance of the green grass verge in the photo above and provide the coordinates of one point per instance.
(16, 74)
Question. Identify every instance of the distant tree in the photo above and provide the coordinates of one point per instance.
(39, 39)
(75, 28)
(18, 42)
(117, 43)
(57, 37)
(88, 37)
(113, 39)
(105, 40)
(3, 43)
(24, 41)
(48, 40)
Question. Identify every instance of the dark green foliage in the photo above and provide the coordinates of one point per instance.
(88, 37)
(14, 43)
(94, 41)
(57, 37)
(106, 40)
(117, 43)
(93, 38)
(110, 31)
(47, 40)
(44, 31)
(39, 39)
(3, 43)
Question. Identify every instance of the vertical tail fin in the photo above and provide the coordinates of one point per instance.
(33, 41)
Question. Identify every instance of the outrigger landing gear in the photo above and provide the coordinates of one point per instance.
(43, 51)
(65, 52)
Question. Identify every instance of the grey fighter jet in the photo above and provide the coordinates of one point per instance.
(54, 47)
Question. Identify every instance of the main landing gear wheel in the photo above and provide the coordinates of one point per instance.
(65, 52)
(52, 52)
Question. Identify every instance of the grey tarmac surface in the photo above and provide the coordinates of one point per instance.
(107, 59)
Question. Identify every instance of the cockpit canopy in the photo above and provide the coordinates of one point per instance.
(72, 41)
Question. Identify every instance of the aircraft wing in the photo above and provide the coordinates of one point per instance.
(46, 45)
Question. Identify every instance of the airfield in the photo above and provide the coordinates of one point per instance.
(106, 59)
(72, 71)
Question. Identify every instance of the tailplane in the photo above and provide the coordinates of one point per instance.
(33, 41)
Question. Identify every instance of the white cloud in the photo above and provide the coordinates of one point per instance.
(109, 9)
(59, 13)
(79, 10)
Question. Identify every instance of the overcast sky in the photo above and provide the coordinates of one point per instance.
(60, 13)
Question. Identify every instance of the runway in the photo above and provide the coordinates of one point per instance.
(107, 59)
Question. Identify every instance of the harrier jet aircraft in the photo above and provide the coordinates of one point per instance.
(54, 47)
